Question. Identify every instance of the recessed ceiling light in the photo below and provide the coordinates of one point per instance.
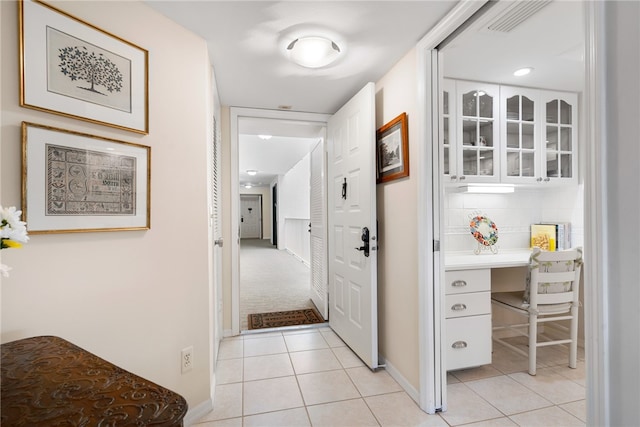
(252, 172)
(313, 51)
(522, 71)
(247, 186)
(264, 137)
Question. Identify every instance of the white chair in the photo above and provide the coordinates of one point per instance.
(551, 294)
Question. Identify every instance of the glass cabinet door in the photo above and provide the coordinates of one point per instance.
(560, 130)
(448, 129)
(477, 136)
(519, 135)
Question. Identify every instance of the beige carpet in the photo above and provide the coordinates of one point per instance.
(270, 280)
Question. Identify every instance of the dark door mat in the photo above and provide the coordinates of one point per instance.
(278, 319)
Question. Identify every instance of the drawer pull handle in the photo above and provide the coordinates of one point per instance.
(459, 344)
(458, 307)
(459, 283)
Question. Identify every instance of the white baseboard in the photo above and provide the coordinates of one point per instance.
(196, 413)
(296, 256)
(400, 379)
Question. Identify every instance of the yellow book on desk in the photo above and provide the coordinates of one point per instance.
(543, 236)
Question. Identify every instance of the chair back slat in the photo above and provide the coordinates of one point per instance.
(565, 276)
(554, 277)
(556, 298)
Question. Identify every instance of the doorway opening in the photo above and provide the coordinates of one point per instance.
(450, 66)
(275, 197)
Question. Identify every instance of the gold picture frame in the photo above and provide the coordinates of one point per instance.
(76, 182)
(72, 68)
(392, 150)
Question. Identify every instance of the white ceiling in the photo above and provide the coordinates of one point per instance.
(245, 41)
(551, 41)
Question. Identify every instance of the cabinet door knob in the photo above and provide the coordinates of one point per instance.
(458, 307)
(459, 283)
(459, 344)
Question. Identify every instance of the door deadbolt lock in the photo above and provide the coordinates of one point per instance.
(365, 242)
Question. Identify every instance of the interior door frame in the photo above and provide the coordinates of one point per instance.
(237, 113)
(430, 190)
(433, 374)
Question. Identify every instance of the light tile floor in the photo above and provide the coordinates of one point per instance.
(308, 377)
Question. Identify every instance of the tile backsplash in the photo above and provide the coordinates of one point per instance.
(513, 214)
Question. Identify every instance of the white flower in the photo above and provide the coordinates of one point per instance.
(4, 270)
(12, 216)
(12, 230)
(18, 235)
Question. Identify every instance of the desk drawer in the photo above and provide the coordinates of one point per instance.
(461, 281)
(468, 341)
(462, 305)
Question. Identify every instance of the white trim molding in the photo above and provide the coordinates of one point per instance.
(430, 266)
(236, 113)
(595, 267)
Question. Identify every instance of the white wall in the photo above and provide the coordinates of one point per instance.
(397, 92)
(294, 209)
(135, 298)
(513, 214)
(621, 181)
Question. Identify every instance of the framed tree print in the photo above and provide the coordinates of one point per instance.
(76, 182)
(72, 68)
(392, 150)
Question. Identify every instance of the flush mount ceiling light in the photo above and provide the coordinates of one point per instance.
(252, 172)
(247, 186)
(265, 137)
(313, 51)
(522, 71)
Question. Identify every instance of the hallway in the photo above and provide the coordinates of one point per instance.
(270, 280)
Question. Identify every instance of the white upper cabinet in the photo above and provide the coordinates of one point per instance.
(519, 135)
(448, 125)
(477, 132)
(496, 133)
(538, 139)
(560, 130)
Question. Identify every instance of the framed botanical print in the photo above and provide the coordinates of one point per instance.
(72, 68)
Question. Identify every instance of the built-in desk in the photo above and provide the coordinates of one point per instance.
(469, 260)
(468, 284)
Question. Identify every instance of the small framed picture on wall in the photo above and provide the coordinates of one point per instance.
(392, 150)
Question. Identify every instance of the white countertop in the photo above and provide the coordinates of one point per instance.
(468, 260)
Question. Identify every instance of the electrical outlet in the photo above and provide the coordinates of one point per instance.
(186, 359)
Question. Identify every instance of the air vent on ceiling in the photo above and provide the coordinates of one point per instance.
(515, 14)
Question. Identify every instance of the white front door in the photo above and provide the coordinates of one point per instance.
(318, 230)
(250, 217)
(352, 210)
